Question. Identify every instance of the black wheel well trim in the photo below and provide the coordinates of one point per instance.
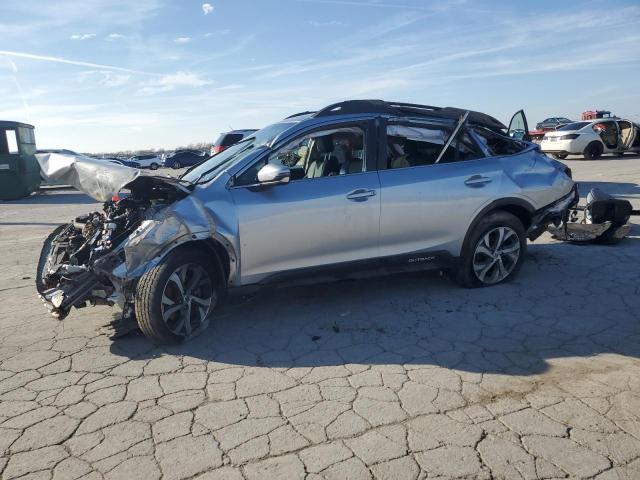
(222, 255)
(522, 209)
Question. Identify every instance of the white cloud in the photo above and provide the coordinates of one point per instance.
(172, 81)
(207, 8)
(113, 36)
(328, 23)
(83, 36)
(182, 40)
(106, 78)
(224, 31)
(114, 79)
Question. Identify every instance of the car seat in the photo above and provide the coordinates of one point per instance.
(321, 161)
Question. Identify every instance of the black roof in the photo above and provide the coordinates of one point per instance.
(400, 109)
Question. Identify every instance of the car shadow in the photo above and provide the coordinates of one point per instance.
(567, 301)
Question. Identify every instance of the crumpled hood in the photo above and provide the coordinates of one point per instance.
(97, 178)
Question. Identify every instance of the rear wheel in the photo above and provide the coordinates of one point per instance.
(494, 251)
(175, 298)
(176, 165)
(593, 151)
(154, 166)
(560, 156)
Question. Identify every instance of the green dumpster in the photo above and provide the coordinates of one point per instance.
(19, 169)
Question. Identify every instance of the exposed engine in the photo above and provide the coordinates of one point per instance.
(74, 261)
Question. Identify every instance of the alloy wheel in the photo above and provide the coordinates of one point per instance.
(496, 255)
(187, 299)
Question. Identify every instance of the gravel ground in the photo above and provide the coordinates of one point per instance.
(399, 377)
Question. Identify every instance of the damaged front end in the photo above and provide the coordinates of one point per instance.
(97, 258)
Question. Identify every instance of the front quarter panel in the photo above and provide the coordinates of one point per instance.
(207, 213)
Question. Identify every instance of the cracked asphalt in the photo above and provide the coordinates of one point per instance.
(405, 377)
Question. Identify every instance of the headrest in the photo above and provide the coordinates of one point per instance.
(324, 144)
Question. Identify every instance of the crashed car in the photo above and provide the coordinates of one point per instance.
(363, 185)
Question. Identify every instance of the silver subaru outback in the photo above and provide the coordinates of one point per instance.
(362, 185)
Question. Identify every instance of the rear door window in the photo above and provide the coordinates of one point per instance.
(416, 146)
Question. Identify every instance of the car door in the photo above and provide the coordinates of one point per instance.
(609, 133)
(309, 223)
(627, 132)
(519, 128)
(428, 206)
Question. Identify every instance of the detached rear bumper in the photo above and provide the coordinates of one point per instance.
(553, 213)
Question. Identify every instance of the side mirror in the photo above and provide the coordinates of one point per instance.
(274, 174)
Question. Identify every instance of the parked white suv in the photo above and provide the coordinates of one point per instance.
(147, 161)
(593, 138)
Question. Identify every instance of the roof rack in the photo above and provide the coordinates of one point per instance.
(301, 113)
(408, 109)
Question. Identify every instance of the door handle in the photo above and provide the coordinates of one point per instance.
(476, 181)
(360, 195)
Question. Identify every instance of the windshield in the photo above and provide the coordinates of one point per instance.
(204, 171)
(574, 126)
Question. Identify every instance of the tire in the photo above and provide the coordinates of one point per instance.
(593, 151)
(44, 258)
(560, 156)
(176, 165)
(157, 288)
(473, 256)
(154, 166)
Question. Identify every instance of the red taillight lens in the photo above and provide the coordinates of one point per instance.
(218, 149)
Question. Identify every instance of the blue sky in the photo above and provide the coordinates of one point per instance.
(96, 75)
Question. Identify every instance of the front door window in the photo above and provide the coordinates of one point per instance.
(324, 153)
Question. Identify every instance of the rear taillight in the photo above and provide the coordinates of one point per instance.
(571, 136)
(217, 149)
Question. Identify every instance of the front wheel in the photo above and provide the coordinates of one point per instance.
(175, 298)
(176, 165)
(154, 166)
(494, 251)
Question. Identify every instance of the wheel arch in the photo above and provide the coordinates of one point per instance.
(518, 207)
(222, 258)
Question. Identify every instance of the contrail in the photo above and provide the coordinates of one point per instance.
(25, 104)
(46, 58)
